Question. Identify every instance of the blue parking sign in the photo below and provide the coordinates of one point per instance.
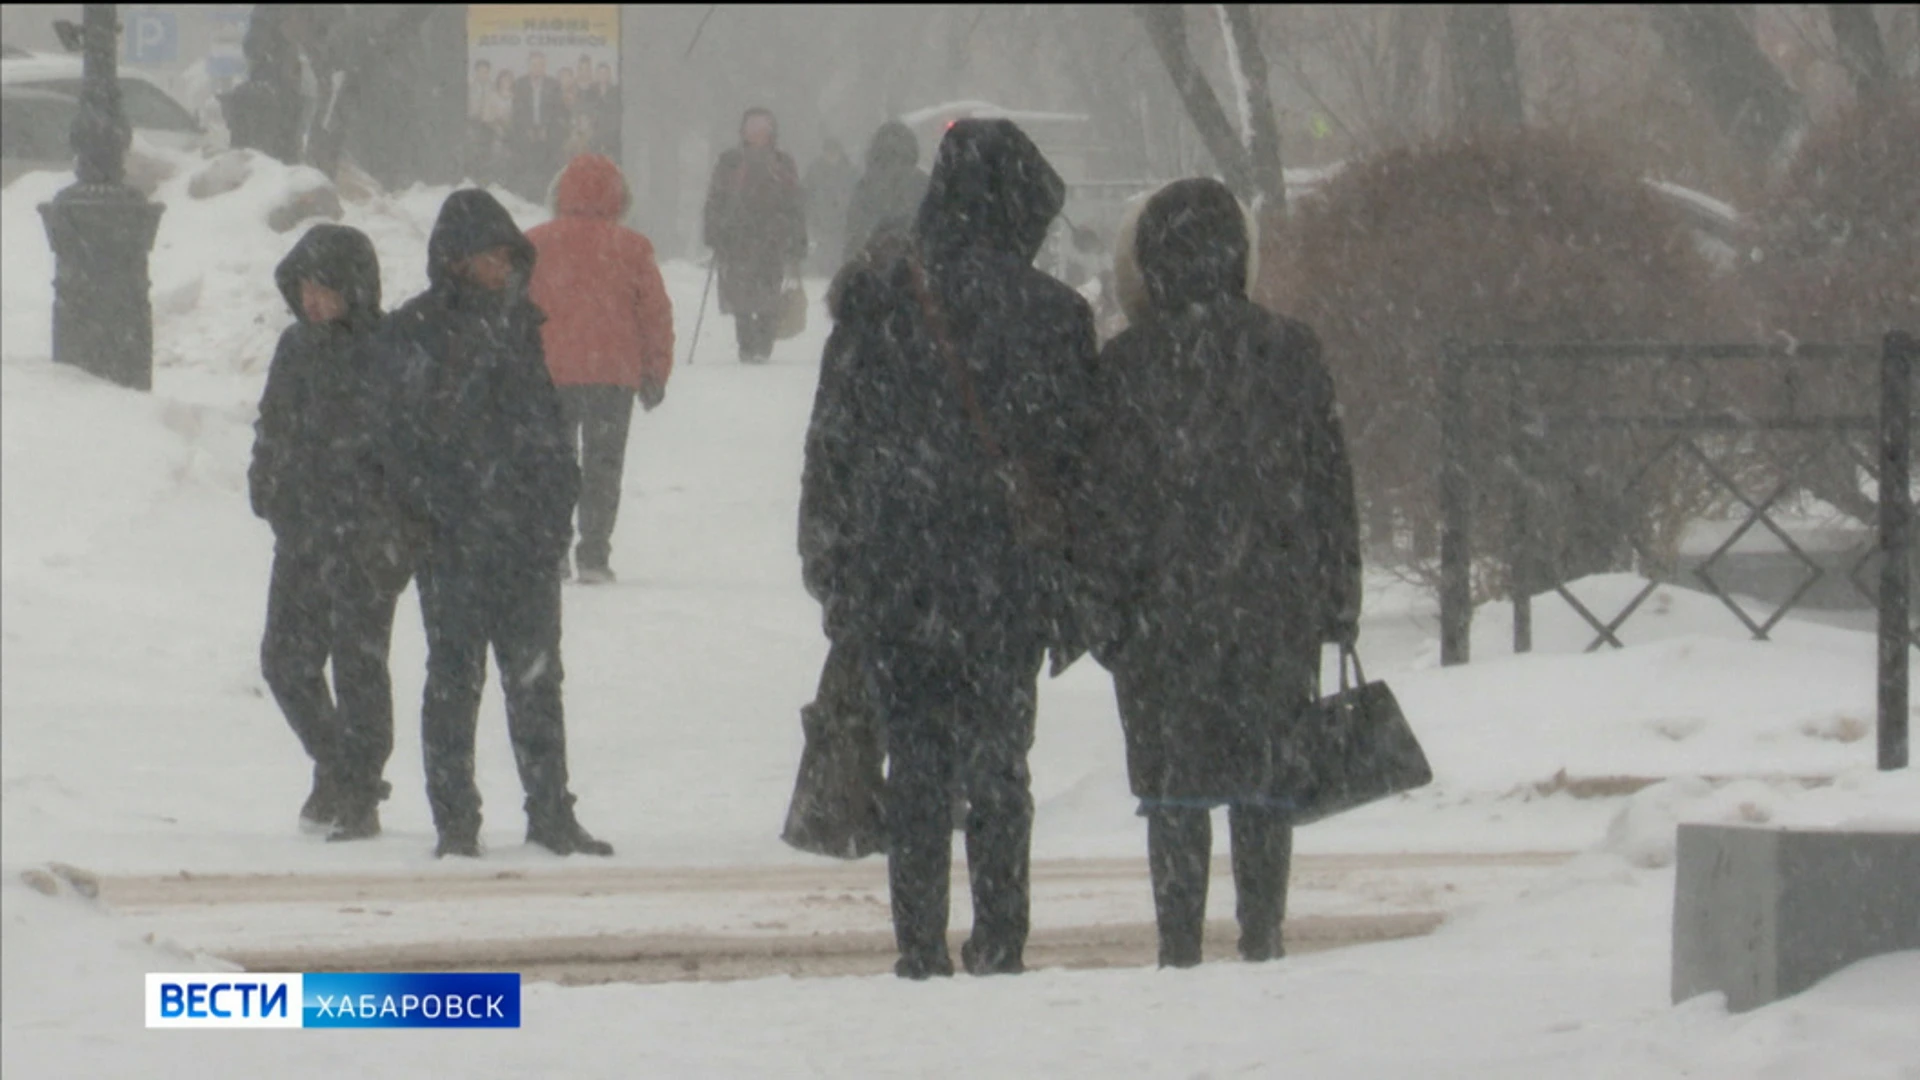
(152, 37)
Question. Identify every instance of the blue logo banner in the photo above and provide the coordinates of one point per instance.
(437, 1000)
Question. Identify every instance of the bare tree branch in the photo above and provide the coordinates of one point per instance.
(1861, 48)
(1263, 142)
(1486, 66)
(1719, 58)
(695, 40)
(1167, 28)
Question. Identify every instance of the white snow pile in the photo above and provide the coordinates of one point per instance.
(1645, 830)
(214, 303)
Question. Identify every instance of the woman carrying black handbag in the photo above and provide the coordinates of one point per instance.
(1223, 552)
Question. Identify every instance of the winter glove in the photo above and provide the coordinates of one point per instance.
(1344, 631)
(652, 392)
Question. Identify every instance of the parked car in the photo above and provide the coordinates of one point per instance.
(40, 95)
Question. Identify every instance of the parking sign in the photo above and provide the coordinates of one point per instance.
(152, 37)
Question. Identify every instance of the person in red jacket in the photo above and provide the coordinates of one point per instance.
(608, 336)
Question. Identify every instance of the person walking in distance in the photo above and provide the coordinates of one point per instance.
(1223, 549)
(343, 551)
(888, 194)
(479, 450)
(608, 337)
(947, 437)
(756, 223)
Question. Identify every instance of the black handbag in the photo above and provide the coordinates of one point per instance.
(1348, 749)
(838, 807)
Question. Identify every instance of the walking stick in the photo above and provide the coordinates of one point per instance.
(702, 317)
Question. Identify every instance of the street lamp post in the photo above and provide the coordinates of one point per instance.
(101, 230)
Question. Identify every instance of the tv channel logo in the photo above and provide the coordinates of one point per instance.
(333, 1000)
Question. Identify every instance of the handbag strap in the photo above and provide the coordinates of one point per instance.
(1349, 656)
(936, 320)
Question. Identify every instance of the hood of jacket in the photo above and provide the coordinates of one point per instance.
(1187, 243)
(472, 221)
(991, 188)
(342, 259)
(591, 186)
(894, 146)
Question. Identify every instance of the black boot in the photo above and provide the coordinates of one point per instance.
(457, 842)
(323, 803)
(922, 967)
(1262, 859)
(359, 816)
(1179, 846)
(557, 830)
(358, 822)
(983, 959)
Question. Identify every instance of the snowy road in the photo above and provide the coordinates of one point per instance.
(644, 924)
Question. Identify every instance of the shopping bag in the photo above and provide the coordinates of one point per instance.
(793, 312)
(1348, 749)
(839, 796)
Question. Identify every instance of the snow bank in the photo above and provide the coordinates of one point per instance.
(216, 309)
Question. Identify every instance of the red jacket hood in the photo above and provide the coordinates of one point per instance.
(591, 186)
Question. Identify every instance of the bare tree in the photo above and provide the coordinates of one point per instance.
(1485, 66)
(1250, 166)
(1719, 58)
(1861, 48)
(1262, 130)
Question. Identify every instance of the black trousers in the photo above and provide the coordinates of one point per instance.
(754, 331)
(515, 609)
(1179, 851)
(968, 716)
(597, 418)
(329, 607)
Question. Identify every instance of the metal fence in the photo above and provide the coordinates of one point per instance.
(1515, 448)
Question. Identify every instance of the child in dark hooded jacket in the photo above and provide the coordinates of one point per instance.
(342, 549)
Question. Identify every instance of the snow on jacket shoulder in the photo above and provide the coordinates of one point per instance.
(609, 322)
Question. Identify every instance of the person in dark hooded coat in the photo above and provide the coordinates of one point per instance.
(480, 452)
(343, 551)
(755, 220)
(888, 194)
(263, 113)
(1223, 544)
(948, 431)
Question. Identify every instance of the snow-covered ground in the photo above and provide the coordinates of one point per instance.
(138, 740)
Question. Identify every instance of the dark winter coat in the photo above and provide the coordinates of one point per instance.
(318, 475)
(1222, 538)
(263, 113)
(908, 530)
(479, 446)
(755, 221)
(889, 192)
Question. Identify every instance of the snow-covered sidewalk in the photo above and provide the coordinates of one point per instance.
(138, 741)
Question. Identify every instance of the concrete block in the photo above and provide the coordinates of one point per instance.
(1763, 913)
